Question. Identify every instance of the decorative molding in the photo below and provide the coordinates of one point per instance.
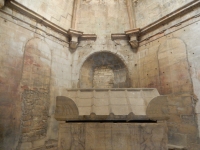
(74, 15)
(119, 36)
(40, 19)
(86, 37)
(77, 36)
(74, 38)
(131, 13)
(74, 35)
(169, 17)
(131, 35)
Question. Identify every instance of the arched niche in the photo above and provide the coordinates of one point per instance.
(104, 70)
(35, 86)
(173, 67)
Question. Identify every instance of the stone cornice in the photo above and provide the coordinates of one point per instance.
(24, 10)
(71, 33)
(131, 35)
(169, 17)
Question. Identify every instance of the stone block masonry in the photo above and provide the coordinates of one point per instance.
(35, 116)
(111, 136)
(103, 77)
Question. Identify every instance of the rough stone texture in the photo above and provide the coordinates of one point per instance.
(148, 11)
(103, 136)
(65, 107)
(172, 73)
(103, 77)
(117, 77)
(35, 82)
(57, 11)
(30, 70)
(35, 117)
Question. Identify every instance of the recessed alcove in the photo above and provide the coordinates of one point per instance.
(104, 70)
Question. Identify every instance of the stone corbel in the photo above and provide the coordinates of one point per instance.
(133, 35)
(77, 36)
(2, 3)
(74, 38)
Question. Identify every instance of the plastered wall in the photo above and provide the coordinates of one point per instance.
(148, 11)
(102, 18)
(57, 11)
(168, 61)
(35, 68)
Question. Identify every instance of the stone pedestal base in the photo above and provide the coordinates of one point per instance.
(112, 136)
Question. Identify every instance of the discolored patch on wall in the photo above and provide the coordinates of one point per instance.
(35, 86)
(173, 67)
(10, 66)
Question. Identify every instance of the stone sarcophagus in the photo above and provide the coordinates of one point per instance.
(112, 119)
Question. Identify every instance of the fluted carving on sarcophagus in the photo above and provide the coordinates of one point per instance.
(157, 109)
(65, 108)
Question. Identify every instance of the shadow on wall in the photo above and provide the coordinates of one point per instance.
(104, 70)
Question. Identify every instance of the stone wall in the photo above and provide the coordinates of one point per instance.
(57, 11)
(112, 136)
(103, 77)
(102, 18)
(148, 11)
(35, 68)
(168, 61)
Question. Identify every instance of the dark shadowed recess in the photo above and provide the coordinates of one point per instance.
(110, 62)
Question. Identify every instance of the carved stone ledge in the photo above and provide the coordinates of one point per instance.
(175, 147)
(119, 36)
(77, 36)
(86, 37)
(2, 2)
(133, 34)
(74, 38)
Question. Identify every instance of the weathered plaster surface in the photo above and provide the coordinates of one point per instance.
(57, 11)
(148, 11)
(43, 68)
(168, 61)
